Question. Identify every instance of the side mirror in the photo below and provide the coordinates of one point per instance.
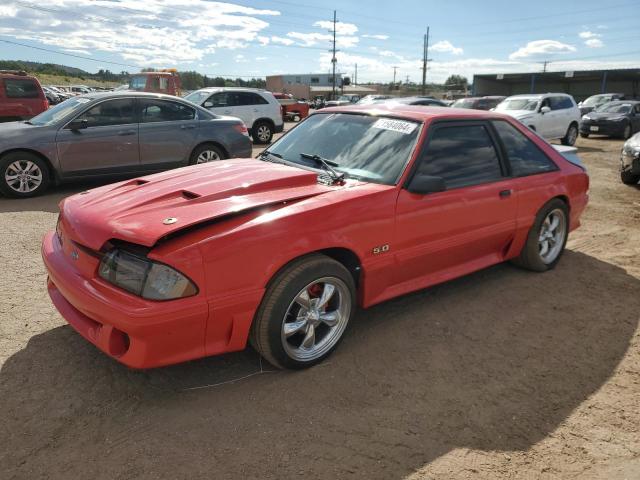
(78, 124)
(545, 109)
(423, 184)
(207, 104)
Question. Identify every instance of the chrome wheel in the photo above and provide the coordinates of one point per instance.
(264, 133)
(552, 235)
(316, 319)
(23, 176)
(208, 156)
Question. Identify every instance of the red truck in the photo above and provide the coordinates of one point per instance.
(21, 96)
(165, 81)
(292, 108)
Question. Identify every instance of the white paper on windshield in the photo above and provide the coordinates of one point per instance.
(399, 126)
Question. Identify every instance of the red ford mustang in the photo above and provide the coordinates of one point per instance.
(352, 207)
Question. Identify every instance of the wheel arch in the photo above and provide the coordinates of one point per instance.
(264, 120)
(53, 176)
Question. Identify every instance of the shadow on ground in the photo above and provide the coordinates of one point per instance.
(495, 361)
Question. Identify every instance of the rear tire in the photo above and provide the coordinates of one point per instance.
(629, 178)
(626, 133)
(535, 255)
(262, 132)
(23, 175)
(206, 153)
(288, 334)
(571, 136)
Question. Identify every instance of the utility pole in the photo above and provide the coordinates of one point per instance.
(333, 58)
(407, 80)
(425, 57)
(544, 66)
(394, 78)
(355, 79)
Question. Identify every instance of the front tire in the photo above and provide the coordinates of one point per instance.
(304, 313)
(23, 175)
(629, 178)
(571, 136)
(626, 133)
(262, 133)
(547, 238)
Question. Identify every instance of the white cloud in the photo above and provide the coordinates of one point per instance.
(282, 40)
(594, 43)
(313, 38)
(154, 33)
(445, 46)
(588, 34)
(240, 59)
(341, 28)
(261, 59)
(376, 36)
(542, 47)
(262, 40)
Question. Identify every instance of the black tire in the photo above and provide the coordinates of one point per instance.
(216, 154)
(267, 335)
(627, 132)
(571, 135)
(629, 178)
(15, 164)
(530, 257)
(584, 135)
(262, 132)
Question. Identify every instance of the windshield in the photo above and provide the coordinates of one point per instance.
(364, 147)
(198, 97)
(60, 111)
(463, 103)
(596, 100)
(138, 82)
(614, 108)
(344, 98)
(518, 104)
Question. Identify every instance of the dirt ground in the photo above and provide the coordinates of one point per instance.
(501, 374)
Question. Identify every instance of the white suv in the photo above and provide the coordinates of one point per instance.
(552, 115)
(258, 109)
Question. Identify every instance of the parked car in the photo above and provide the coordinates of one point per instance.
(352, 207)
(21, 96)
(53, 97)
(108, 134)
(370, 99)
(318, 102)
(616, 119)
(258, 109)
(552, 115)
(292, 108)
(166, 81)
(630, 161)
(343, 100)
(424, 101)
(594, 101)
(478, 103)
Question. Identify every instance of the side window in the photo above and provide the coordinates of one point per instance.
(248, 98)
(20, 88)
(636, 110)
(462, 155)
(524, 156)
(111, 112)
(222, 99)
(560, 103)
(164, 111)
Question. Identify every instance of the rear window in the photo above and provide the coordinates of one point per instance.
(21, 88)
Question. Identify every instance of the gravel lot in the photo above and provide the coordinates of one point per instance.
(501, 374)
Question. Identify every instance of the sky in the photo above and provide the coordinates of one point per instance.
(266, 37)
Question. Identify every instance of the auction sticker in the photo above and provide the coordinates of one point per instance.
(399, 126)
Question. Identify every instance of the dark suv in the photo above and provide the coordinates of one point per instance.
(21, 96)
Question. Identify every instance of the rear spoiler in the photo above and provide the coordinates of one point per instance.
(570, 154)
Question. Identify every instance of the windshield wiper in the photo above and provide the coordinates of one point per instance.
(327, 165)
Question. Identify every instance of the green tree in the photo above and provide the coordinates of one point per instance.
(456, 82)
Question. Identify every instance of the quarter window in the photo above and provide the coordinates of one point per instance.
(112, 112)
(524, 156)
(164, 111)
(248, 98)
(462, 156)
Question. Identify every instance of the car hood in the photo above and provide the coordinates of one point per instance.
(146, 209)
(9, 131)
(605, 115)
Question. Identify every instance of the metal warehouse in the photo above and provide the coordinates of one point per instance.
(580, 84)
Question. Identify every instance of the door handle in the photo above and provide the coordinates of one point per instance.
(255, 110)
(127, 132)
(505, 193)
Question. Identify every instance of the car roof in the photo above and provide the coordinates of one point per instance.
(237, 89)
(419, 113)
(622, 102)
(128, 93)
(539, 95)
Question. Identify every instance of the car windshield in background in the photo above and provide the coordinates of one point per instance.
(595, 100)
(463, 104)
(518, 104)
(614, 108)
(138, 82)
(198, 97)
(60, 111)
(364, 147)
